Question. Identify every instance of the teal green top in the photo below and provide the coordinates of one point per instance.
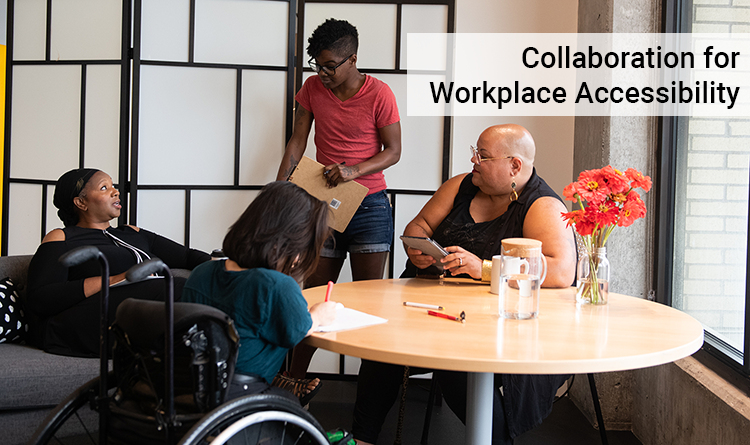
(267, 307)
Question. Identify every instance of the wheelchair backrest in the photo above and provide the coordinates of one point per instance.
(205, 348)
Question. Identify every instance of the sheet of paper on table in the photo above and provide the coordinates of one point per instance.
(347, 319)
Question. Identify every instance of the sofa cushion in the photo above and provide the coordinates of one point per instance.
(13, 325)
(30, 377)
(17, 268)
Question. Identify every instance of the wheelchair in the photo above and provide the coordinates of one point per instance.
(172, 366)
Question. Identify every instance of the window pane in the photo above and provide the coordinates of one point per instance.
(710, 260)
(711, 226)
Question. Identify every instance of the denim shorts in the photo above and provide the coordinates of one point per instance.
(369, 231)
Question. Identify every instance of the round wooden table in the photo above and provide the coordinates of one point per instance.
(566, 338)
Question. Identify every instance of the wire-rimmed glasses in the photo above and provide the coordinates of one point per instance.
(475, 154)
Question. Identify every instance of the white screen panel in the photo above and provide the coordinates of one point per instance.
(328, 362)
(45, 125)
(241, 32)
(86, 29)
(102, 130)
(421, 144)
(163, 212)
(262, 134)
(29, 29)
(421, 18)
(376, 25)
(465, 132)
(211, 214)
(53, 221)
(310, 151)
(165, 30)
(345, 276)
(407, 207)
(24, 219)
(324, 361)
(187, 123)
(351, 365)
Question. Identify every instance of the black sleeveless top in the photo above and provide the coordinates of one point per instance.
(484, 239)
(527, 398)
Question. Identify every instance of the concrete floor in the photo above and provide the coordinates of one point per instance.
(334, 404)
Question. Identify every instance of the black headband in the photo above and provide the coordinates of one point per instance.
(68, 187)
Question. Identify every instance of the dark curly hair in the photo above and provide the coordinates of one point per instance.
(337, 36)
(283, 229)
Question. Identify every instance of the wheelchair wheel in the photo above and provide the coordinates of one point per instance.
(257, 419)
(59, 416)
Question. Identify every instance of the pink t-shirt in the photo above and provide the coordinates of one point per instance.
(348, 131)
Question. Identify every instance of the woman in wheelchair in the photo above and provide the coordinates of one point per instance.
(273, 246)
(65, 301)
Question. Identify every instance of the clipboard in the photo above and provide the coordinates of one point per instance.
(343, 200)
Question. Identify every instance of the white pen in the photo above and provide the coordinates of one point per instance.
(424, 306)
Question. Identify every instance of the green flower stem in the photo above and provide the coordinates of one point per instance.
(591, 288)
(593, 278)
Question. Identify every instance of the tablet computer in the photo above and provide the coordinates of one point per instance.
(428, 246)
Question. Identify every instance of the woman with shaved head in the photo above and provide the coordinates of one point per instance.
(470, 214)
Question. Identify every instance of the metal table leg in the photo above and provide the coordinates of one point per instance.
(598, 409)
(479, 408)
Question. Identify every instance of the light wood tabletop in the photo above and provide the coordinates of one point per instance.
(627, 333)
(566, 338)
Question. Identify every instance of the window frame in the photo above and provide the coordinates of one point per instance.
(677, 17)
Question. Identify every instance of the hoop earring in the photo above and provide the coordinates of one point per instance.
(513, 193)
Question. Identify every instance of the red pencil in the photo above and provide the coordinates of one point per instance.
(328, 291)
(461, 318)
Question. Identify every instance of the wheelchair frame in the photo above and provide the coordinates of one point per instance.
(263, 417)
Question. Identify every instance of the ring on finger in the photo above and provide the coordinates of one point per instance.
(460, 261)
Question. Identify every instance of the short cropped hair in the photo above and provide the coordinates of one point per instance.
(283, 221)
(338, 36)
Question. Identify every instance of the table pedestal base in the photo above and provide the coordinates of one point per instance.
(479, 394)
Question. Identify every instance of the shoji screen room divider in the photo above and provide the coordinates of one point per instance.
(188, 105)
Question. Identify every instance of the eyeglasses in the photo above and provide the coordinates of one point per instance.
(330, 71)
(480, 158)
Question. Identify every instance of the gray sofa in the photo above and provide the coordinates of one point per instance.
(32, 382)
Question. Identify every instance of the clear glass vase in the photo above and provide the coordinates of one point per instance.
(592, 276)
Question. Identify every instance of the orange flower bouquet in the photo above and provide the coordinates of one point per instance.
(606, 199)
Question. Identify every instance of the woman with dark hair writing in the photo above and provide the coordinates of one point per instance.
(273, 246)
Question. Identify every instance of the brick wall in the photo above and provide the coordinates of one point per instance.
(712, 195)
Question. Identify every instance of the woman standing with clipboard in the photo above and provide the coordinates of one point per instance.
(357, 136)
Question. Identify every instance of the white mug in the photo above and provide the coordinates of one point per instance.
(512, 265)
(508, 265)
